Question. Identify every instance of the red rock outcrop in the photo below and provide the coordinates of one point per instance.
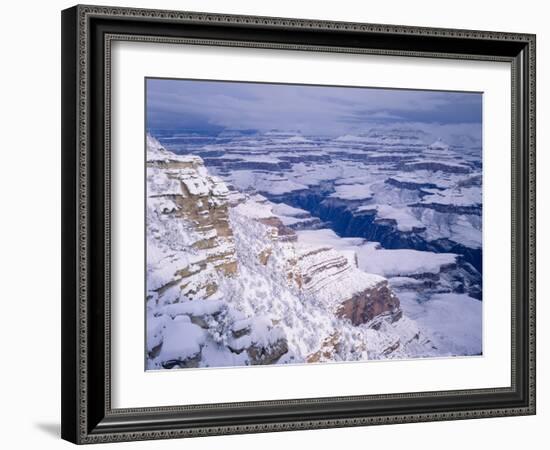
(369, 303)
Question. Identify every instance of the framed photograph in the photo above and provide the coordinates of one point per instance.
(278, 224)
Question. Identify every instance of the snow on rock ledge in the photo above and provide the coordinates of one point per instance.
(189, 240)
(322, 273)
(229, 284)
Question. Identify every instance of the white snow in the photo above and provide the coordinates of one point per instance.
(255, 210)
(157, 153)
(376, 260)
(262, 299)
(331, 275)
(464, 229)
(248, 157)
(404, 218)
(181, 339)
(282, 209)
(444, 162)
(295, 140)
(194, 308)
(401, 262)
(283, 186)
(459, 196)
(327, 237)
(348, 138)
(453, 322)
(263, 182)
(439, 145)
(352, 192)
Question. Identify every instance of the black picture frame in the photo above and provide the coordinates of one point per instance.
(87, 33)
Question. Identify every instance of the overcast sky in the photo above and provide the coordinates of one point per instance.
(314, 110)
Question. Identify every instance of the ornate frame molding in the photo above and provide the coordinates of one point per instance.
(80, 415)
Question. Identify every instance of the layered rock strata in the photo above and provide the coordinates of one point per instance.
(229, 283)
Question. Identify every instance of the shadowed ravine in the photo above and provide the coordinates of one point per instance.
(341, 218)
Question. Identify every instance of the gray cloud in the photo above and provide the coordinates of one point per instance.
(315, 110)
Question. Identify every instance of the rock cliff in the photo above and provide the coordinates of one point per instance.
(229, 282)
(188, 227)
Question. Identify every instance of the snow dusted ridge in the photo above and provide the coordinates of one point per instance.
(405, 180)
(230, 282)
(189, 238)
